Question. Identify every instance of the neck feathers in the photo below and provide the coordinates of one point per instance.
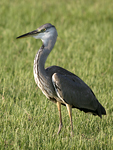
(41, 56)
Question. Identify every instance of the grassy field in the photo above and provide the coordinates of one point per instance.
(28, 120)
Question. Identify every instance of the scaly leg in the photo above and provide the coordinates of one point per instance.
(59, 109)
(69, 108)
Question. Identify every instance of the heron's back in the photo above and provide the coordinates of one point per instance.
(74, 91)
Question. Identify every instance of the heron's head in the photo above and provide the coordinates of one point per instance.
(44, 32)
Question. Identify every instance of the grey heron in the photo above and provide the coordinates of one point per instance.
(58, 84)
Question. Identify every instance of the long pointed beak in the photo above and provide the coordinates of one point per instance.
(28, 34)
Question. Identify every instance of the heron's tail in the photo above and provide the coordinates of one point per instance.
(101, 110)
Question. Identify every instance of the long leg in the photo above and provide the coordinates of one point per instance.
(59, 109)
(69, 108)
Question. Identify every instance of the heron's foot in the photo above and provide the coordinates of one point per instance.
(72, 134)
(60, 127)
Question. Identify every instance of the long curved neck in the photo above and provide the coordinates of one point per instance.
(40, 58)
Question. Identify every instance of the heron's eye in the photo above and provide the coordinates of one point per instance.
(43, 30)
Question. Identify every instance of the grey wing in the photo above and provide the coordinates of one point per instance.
(73, 91)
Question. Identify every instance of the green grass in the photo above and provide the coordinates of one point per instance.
(28, 120)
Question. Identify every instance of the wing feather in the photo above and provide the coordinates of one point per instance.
(72, 90)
